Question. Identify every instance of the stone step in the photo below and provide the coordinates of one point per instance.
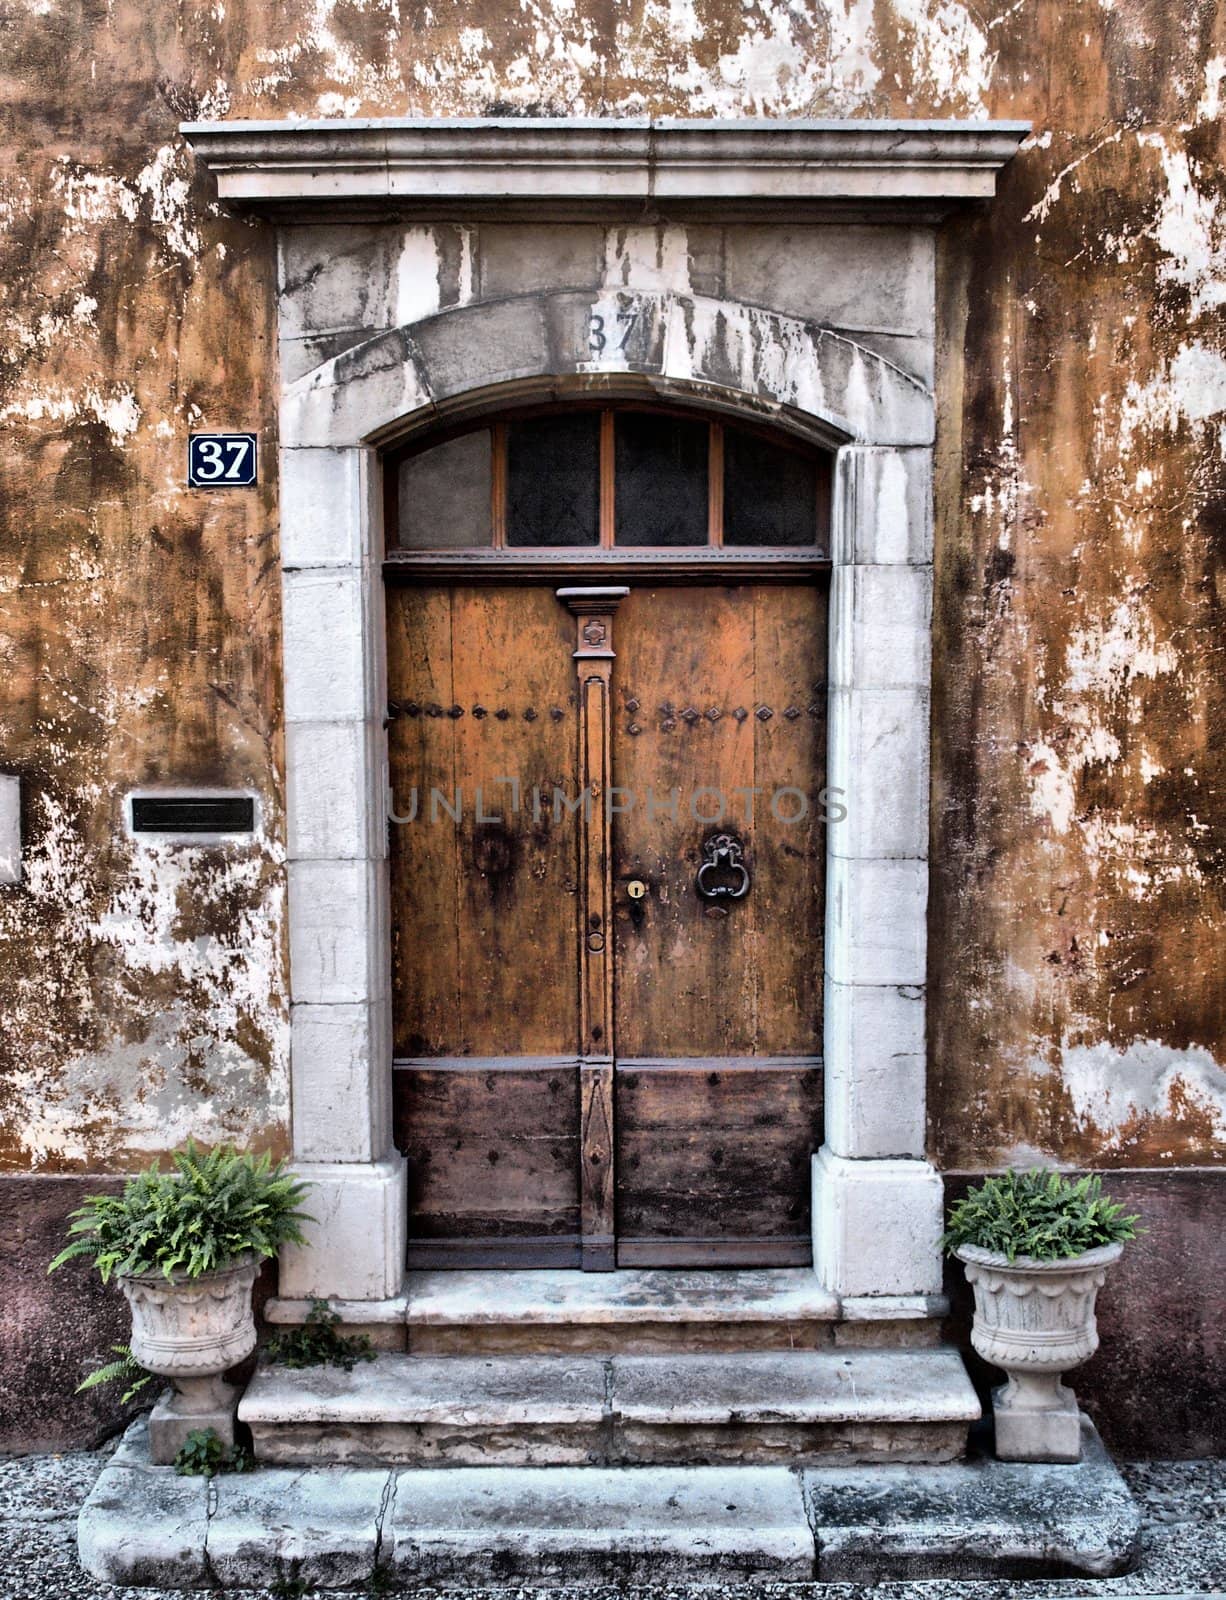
(788, 1406)
(397, 1529)
(633, 1311)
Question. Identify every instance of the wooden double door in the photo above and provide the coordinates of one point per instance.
(607, 891)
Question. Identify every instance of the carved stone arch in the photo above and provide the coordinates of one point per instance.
(727, 353)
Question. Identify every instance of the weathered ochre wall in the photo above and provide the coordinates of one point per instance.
(1080, 704)
(1078, 988)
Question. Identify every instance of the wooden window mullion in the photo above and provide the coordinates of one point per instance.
(715, 513)
(498, 485)
(608, 509)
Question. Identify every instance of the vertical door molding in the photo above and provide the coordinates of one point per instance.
(877, 1202)
(593, 610)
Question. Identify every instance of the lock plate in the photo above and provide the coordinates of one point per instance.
(636, 888)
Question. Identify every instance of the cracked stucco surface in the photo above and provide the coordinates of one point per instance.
(1078, 990)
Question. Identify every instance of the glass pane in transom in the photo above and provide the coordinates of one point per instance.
(553, 480)
(770, 492)
(660, 479)
(443, 495)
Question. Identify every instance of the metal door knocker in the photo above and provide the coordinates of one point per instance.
(723, 874)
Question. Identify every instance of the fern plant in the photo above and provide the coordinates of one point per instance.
(213, 1207)
(124, 1369)
(1043, 1215)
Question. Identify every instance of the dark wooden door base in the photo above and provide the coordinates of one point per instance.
(712, 1160)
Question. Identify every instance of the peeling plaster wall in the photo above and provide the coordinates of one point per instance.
(1077, 984)
(1079, 1006)
(142, 987)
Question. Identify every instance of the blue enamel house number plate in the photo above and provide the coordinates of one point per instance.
(221, 461)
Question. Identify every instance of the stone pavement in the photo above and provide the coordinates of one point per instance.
(1183, 1506)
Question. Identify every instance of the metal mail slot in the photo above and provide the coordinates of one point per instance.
(195, 814)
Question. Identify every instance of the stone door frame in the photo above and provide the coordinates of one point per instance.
(877, 1199)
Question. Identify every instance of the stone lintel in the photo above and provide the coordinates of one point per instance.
(578, 166)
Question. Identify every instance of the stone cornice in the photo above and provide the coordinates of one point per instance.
(557, 167)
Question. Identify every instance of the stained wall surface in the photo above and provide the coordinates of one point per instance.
(1079, 731)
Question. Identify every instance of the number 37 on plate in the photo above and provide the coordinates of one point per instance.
(221, 461)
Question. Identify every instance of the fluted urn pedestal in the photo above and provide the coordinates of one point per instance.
(191, 1330)
(1035, 1320)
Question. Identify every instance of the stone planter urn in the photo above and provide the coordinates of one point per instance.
(191, 1330)
(1035, 1320)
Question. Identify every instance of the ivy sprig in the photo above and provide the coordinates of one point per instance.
(203, 1455)
(319, 1343)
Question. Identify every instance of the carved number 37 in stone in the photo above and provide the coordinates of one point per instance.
(601, 337)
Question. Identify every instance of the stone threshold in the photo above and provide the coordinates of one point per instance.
(552, 1297)
(336, 1528)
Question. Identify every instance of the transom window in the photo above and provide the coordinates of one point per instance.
(610, 478)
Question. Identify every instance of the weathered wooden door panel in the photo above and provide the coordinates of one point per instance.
(483, 944)
(570, 1054)
(721, 729)
(720, 693)
(483, 916)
